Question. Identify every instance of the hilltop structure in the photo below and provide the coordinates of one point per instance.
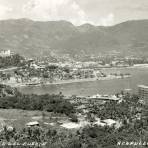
(5, 53)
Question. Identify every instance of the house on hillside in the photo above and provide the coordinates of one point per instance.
(32, 124)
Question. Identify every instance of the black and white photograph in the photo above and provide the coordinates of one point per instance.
(74, 73)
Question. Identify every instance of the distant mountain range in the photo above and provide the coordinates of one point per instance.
(33, 38)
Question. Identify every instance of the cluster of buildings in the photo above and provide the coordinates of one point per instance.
(84, 103)
(35, 72)
(41, 72)
(52, 75)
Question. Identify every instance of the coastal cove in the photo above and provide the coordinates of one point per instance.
(87, 88)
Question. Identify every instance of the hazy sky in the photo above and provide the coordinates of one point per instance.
(98, 12)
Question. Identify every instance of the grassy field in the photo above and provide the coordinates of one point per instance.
(18, 118)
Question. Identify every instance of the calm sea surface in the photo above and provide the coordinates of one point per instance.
(139, 76)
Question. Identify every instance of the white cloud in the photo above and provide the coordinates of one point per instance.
(70, 10)
(45, 10)
(107, 20)
(4, 11)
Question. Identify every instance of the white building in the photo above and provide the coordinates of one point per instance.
(5, 53)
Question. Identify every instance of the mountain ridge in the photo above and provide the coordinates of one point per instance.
(34, 38)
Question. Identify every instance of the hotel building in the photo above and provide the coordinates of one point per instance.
(143, 92)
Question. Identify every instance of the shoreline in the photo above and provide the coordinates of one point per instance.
(138, 66)
(60, 82)
(48, 83)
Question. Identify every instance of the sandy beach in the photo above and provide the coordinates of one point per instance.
(58, 82)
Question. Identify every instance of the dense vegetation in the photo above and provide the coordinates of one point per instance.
(132, 114)
(13, 60)
(11, 98)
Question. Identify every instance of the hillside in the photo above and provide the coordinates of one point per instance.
(32, 38)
